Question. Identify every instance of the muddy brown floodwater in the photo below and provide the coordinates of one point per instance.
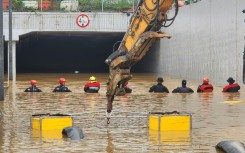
(216, 116)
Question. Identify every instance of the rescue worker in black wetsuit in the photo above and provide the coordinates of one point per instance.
(33, 87)
(183, 89)
(61, 87)
(159, 87)
(232, 87)
(206, 86)
(127, 89)
(93, 86)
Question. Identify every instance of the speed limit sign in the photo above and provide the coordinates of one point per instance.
(82, 20)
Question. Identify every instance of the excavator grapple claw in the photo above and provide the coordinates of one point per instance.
(144, 28)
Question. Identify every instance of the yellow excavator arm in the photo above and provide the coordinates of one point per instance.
(145, 25)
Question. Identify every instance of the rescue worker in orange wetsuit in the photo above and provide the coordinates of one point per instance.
(159, 87)
(232, 87)
(206, 86)
(127, 89)
(33, 87)
(183, 89)
(92, 86)
(61, 87)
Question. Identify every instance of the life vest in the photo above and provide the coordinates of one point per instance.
(33, 88)
(127, 89)
(159, 88)
(182, 90)
(61, 88)
(92, 87)
(206, 88)
(231, 88)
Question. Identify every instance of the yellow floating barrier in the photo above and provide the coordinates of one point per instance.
(170, 128)
(170, 121)
(170, 137)
(48, 134)
(234, 101)
(44, 122)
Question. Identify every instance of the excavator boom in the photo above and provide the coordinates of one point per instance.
(145, 24)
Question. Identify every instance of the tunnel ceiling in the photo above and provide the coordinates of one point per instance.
(66, 52)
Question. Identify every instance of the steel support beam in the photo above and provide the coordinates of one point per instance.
(10, 48)
(12, 61)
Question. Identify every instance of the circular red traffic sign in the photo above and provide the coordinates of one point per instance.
(82, 20)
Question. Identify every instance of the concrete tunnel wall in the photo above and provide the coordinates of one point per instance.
(66, 52)
(207, 40)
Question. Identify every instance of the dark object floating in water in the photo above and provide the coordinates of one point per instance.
(231, 146)
(73, 132)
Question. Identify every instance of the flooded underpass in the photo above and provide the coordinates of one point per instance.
(216, 116)
(66, 52)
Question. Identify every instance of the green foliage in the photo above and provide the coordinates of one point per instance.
(96, 5)
(18, 5)
(120, 6)
(85, 5)
(187, 2)
(88, 5)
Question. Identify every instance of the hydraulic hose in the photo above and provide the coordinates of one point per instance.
(173, 18)
(176, 11)
(153, 9)
(150, 10)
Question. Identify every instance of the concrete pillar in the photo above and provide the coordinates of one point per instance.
(1, 54)
(1, 69)
(12, 61)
